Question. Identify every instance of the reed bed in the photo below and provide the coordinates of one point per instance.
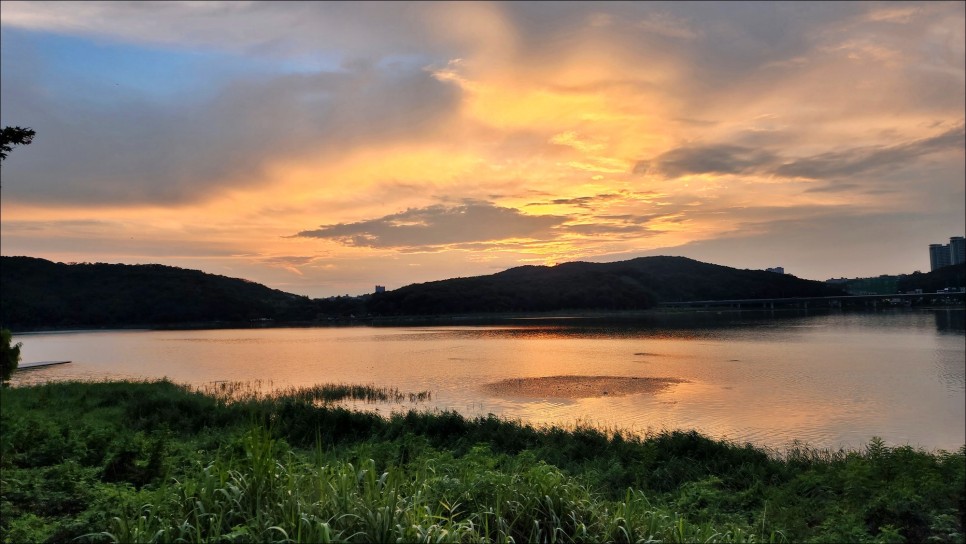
(320, 394)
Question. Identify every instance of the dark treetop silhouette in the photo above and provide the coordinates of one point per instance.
(11, 136)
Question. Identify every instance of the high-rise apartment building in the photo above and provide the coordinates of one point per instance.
(941, 255)
(938, 256)
(957, 250)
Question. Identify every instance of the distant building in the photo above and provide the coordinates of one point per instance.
(957, 250)
(941, 255)
(380, 289)
(777, 270)
(938, 256)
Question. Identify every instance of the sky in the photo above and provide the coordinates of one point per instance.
(325, 148)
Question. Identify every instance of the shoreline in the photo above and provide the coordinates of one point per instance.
(308, 395)
(522, 318)
(150, 456)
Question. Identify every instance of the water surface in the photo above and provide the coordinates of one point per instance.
(830, 380)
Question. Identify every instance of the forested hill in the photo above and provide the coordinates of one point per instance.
(36, 293)
(626, 285)
(40, 293)
(952, 276)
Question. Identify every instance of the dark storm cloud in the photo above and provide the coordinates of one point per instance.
(439, 225)
(131, 149)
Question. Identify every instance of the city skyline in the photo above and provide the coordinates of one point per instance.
(324, 148)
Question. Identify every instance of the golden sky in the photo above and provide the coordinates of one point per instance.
(323, 148)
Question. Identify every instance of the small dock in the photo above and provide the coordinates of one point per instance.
(27, 366)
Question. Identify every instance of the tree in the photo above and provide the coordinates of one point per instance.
(9, 355)
(11, 136)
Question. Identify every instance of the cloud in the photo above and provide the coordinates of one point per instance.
(440, 225)
(634, 228)
(139, 150)
(595, 202)
(668, 25)
(253, 28)
(896, 14)
(582, 201)
(78, 240)
(834, 188)
(725, 159)
(260, 117)
(707, 159)
(863, 160)
(290, 260)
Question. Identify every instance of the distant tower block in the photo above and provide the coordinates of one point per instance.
(939, 256)
(380, 289)
(776, 270)
(957, 250)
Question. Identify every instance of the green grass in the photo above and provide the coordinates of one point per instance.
(157, 462)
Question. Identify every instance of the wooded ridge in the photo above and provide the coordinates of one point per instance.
(37, 293)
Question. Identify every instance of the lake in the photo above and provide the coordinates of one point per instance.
(826, 379)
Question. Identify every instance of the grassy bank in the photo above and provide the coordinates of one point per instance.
(133, 462)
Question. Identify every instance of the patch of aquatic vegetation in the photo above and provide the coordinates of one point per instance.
(160, 462)
(237, 391)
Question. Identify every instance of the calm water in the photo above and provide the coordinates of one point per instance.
(832, 380)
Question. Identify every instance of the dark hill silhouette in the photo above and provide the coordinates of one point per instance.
(625, 285)
(40, 293)
(36, 293)
(952, 276)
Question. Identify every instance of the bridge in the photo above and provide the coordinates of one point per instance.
(905, 299)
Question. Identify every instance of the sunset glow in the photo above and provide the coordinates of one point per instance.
(324, 148)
